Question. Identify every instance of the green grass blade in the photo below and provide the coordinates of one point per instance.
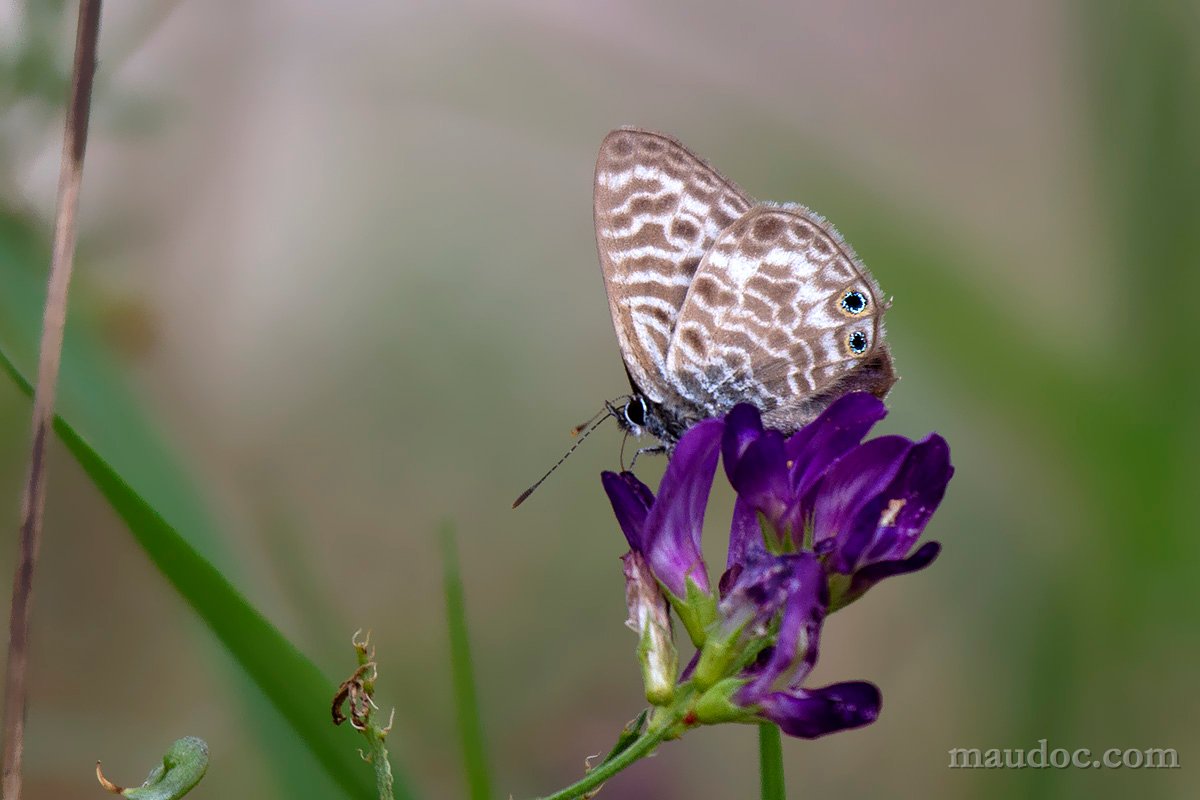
(1141, 79)
(100, 423)
(770, 763)
(466, 700)
(294, 686)
(1144, 80)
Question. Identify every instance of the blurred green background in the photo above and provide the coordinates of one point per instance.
(341, 258)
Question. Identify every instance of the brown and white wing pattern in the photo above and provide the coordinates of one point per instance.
(658, 210)
(781, 314)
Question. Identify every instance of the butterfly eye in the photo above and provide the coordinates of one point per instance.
(854, 302)
(857, 342)
(635, 412)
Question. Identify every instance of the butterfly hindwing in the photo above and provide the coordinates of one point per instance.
(658, 211)
(781, 314)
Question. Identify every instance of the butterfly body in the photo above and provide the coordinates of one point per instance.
(718, 299)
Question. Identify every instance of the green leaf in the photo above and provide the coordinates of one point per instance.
(629, 734)
(101, 425)
(466, 701)
(182, 767)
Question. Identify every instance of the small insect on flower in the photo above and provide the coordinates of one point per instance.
(718, 299)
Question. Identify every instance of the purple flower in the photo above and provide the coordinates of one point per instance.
(775, 477)
(860, 506)
(666, 529)
(764, 586)
(820, 517)
(809, 713)
(794, 587)
(871, 507)
(763, 646)
(801, 595)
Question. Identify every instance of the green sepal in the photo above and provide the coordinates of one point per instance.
(716, 657)
(773, 540)
(781, 542)
(839, 591)
(721, 657)
(716, 705)
(697, 611)
(807, 541)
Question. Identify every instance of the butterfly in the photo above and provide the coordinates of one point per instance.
(718, 299)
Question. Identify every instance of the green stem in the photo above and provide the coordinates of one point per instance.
(770, 762)
(375, 735)
(379, 757)
(641, 748)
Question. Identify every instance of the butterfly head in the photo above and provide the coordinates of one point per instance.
(631, 412)
(638, 415)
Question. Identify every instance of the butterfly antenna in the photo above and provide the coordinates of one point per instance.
(591, 423)
(594, 423)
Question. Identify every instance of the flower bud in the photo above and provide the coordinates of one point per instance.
(650, 620)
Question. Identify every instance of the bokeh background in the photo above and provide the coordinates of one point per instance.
(341, 258)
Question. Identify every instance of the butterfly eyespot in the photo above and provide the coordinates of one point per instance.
(857, 342)
(854, 302)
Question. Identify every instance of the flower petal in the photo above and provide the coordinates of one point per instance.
(743, 425)
(631, 500)
(872, 574)
(810, 713)
(686, 675)
(760, 476)
(676, 519)
(755, 461)
(912, 497)
(847, 502)
(840, 428)
(745, 535)
(797, 642)
(755, 592)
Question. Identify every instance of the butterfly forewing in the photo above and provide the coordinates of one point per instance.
(781, 314)
(658, 210)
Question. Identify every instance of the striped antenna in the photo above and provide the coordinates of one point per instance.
(586, 428)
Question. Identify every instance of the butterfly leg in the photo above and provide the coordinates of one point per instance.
(656, 450)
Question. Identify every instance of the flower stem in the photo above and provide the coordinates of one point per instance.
(770, 762)
(643, 746)
(379, 758)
